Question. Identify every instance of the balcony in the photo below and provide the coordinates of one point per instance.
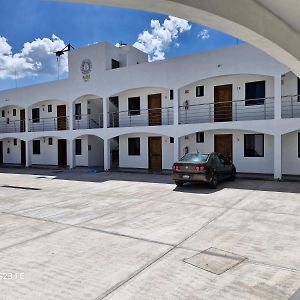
(290, 107)
(238, 110)
(12, 126)
(49, 124)
(90, 121)
(143, 117)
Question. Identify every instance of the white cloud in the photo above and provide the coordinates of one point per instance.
(204, 34)
(161, 36)
(35, 58)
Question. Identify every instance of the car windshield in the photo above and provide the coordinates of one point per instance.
(196, 157)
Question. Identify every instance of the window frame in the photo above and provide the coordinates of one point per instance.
(130, 148)
(14, 112)
(3, 113)
(15, 142)
(200, 137)
(37, 119)
(36, 147)
(115, 64)
(50, 141)
(199, 91)
(78, 147)
(246, 154)
(50, 109)
(131, 101)
(77, 111)
(249, 100)
(171, 94)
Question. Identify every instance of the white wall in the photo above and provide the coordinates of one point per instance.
(243, 164)
(95, 155)
(14, 155)
(141, 161)
(83, 159)
(290, 159)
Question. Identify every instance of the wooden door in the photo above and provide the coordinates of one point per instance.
(22, 120)
(23, 153)
(223, 103)
(1, 152)
(223, 145)
(155, 153)
(62, 152)
(154, 106)
(61, 117)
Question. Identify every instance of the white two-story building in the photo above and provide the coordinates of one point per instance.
(117, 110)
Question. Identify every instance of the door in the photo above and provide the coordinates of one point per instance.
(155, 153)
(62, 152)
(23, 153)
(22, 120)
(154, 112)
(61, 117)
(223, 145)
(114, 111)
(1, 152)
(223, 103)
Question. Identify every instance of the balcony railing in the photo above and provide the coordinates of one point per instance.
(238, 110)
(88, 121)
(49, 124)
(143, 117)
(12, 126)
(290, 107)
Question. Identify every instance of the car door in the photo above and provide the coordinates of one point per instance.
(222, 166)
(227, 166)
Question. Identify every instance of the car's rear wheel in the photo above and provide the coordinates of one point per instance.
(233, 175)
(213, 181)
(179, 183)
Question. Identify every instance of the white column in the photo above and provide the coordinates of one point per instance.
(28, 147)
(176, 148)
(105, 111)
(277, 157)
(27, 119)
(71, 156)
(106, 143)
(176, 102)
(277, 97)
(71, 116)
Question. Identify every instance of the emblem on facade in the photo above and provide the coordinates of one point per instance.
(86, 68)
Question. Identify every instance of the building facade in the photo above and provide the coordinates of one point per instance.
(117, 110)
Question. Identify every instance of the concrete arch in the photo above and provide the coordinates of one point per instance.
(87, 97)
(51, 101)
(80, 135)
(272, 26)
(46, 134)
(141, 87)
(12, 106)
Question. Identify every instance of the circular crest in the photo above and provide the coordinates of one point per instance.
(86, 66)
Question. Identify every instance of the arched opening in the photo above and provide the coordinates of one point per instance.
(12, 152)
(12, 119)
(238, 97)
(88, 112)
(291, 153)
(49, 115)
(147, 106)
(88, 151)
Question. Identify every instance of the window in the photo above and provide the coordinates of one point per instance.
(255, 93)
(78, 147)
(171, 94)
(3, 113)
(14, 112)
(78, 111)
(50, 108)
(36, 147)
(253, 145)
(134, 146)
(15, 142)
(200, 91)
(50, 141)
(35, 115)
(171, 140)
(115, 64)
(200, 137)
(134, 106)
(299, 145)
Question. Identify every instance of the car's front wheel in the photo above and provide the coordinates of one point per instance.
(213, 181)
(233, 174)
(179, 183)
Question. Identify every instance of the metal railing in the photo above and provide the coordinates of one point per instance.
(11, 126)
(49, 124)
(143, 117)
(90, 121)
(290, 107)
(237, 110)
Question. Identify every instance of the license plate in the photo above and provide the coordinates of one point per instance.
(186, 176)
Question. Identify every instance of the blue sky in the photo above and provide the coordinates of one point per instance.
(26, 20)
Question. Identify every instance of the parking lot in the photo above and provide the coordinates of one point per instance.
(79, 235)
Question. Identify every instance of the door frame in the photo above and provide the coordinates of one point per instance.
(59, 153)
(61, 121)
(225, 134)
(222, 105)
(23, 153)
(155, 111)
(149, 152)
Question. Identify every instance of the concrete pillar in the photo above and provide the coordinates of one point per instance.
(71, 116)
(176, 149)
(71, 154)
(277, 97)
(28, 146)
(27, 119)
(105, 111)
(176, 102)
(106, 151)
(277, 157)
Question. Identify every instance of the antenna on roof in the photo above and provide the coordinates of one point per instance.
(59, 53)
(121, 44)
